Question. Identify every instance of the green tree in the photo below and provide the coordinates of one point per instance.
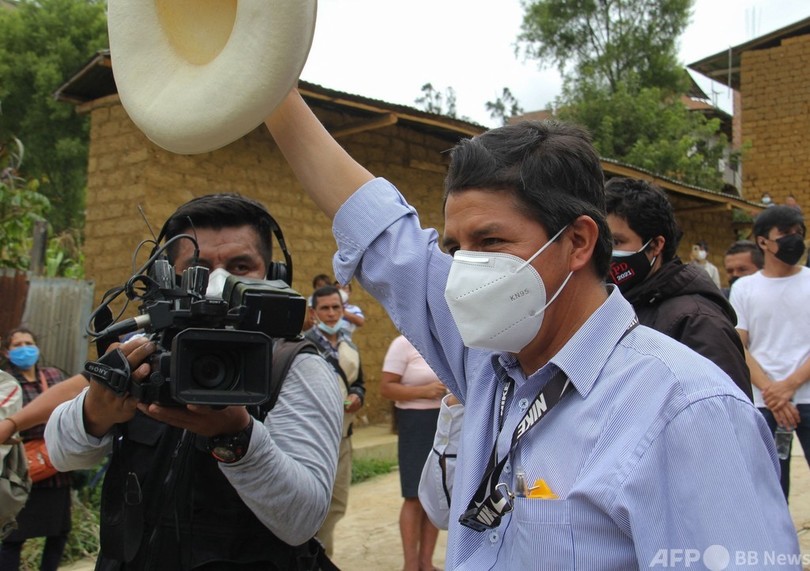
(434, 101)
(645, 128)
(22, 206)
(42, 43)
(504, 106)
(622, 80)
(608, 40)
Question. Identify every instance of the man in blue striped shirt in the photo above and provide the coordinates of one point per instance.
(589, 442)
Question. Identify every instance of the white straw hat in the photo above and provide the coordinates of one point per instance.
(196, 75)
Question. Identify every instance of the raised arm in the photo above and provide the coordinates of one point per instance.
(328, 174)
(39, 410)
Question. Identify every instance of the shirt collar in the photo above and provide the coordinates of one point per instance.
(586, 353)
(341, 336)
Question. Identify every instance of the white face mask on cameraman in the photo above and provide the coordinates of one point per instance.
(216, 283)
(497, 300)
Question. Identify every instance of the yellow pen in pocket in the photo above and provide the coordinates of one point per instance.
(541, 491)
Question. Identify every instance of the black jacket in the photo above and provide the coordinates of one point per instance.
(683, 302)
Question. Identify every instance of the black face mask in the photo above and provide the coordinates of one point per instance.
(630, 269)
(791, 248)
(732, 280)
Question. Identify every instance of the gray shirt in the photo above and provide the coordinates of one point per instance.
(287, 474)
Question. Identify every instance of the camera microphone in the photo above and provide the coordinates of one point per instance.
(127, 326)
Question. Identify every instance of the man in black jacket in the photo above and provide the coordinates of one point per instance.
(677, 299)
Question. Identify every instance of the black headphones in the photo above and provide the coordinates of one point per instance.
(275, 270)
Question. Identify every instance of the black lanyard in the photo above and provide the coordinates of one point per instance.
(490, 503)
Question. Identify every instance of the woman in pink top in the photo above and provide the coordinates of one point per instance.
(417, 392)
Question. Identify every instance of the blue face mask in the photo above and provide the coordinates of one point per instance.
(330, 330)
(24, 357)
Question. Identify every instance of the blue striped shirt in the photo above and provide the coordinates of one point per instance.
(658, 460)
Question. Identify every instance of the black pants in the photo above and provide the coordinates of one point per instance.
(802, 432)
(51, 554)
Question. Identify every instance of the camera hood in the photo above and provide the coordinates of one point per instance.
(269, 306)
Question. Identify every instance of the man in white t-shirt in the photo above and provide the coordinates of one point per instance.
(773, 319)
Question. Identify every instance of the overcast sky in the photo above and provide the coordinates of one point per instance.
(387, 49)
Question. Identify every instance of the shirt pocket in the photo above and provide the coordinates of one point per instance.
(543, 536)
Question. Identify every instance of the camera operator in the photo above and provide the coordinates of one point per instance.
(176, 505)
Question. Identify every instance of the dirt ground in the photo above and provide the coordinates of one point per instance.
(367, 539)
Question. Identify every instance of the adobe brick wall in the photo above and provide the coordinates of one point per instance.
(775, 86)
(126, 170)
(713, 226)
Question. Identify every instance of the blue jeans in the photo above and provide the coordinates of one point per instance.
(802, 431)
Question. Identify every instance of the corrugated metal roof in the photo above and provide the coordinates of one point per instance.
(618, 168)
(95, 80)
(724, 66)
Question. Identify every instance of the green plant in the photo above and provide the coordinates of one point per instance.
(63, 257)
(742, 216)
(21, 207)
(366, 468)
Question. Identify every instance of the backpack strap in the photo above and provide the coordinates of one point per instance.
(310, 555)
(284, 353)
(329, 359)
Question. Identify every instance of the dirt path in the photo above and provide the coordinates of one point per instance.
(367, 539)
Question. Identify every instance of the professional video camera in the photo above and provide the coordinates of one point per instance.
(209, 351)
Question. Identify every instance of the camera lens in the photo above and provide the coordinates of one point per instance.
(220, 367)
(215, 371)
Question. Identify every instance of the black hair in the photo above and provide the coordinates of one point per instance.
(743, 246)
(218, 211)
(321, 278)
(781, 217)
(702, 244)
(550, 168)
(647, 211)
(323, 292)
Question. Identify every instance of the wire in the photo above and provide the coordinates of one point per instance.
(137, 251)
(139, 276)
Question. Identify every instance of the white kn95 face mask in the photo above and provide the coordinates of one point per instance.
(216, 283)
(497, 300)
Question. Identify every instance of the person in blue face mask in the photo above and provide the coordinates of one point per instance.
(667, 295)
(47, 511)
(328, 333)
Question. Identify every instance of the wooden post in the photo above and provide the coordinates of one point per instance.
(39, 247)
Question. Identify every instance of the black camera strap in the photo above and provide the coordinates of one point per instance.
(493, 499)
(489, 502)
(112, 370)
